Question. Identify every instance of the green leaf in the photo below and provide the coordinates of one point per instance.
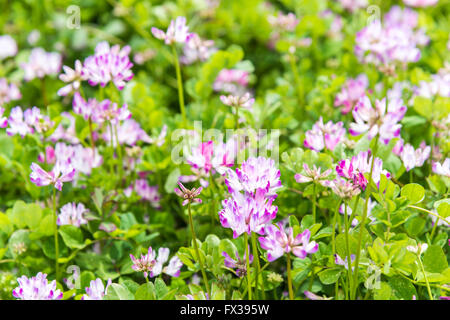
(329, 276)
(413, 192)
(383, 293)
(72, 236)
(118, 292)
(415, 225)
(402, 288)
(434, 259)
(160, 288)
(146, 292)
(171, 181)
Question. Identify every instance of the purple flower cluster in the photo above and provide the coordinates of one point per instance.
(41, 63)
(324, 135)
(152, 266)
(351, 92)
(395, 42)
(37, 288)
(96, 290)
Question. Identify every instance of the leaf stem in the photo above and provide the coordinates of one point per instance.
(180, 83)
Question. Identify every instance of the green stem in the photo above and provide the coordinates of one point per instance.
(363, 221)
(429, 212)
(425, 276)
(256, 263)
(180, 84)
(247, 263)
(349, 260)
(314, 203)
(296, 78)
(194, 239)
(333, 235)
(411, 180)
(44, 93)
(55, 233)
(291, 293)
(236, 118)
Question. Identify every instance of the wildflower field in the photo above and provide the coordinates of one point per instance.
(225, 150)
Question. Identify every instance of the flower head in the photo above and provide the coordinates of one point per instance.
(188, 195)
(442, 169)
(414, 158)
(279, 241)
(176, 32)
(61, 172)
(172, 269)
(145, 264)
(380, 120)
(233, 81)
(312, 175)
(72, 214)
(37, 288)
(351, 92)
(41, 63)
(8, 92)
(324, 135)
(238, 263)
(197, 49)
(8, 47)
(339, 261)
(244, 101)
(108, 64)
(73, 77)
(96, 290)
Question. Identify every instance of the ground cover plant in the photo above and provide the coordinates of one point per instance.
(207, 149)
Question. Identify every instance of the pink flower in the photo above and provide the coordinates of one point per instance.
(8, 92)
(237, 263)
(233, 81)
(41, 63)
(354, 222)
(398, 148)
(147, 192)
(37, 288)
(16, 123)
(351, 92)
(177, 32)
(343, 188)
(49, 156)
(8, 47)
(172, 269)
(128, 132)
(108, 64)
(72, 214)
(197, 49)
(324, 135)
(278, 241)
(244, 101)
(145, 264)
(442, 169)
(415, 158)
(312, 175)
(247, 212)
(284, 22)
(379, 120)
(255, 173)
(96, 290)
(339, 261)
(61, 172)
(73, 77)
(106, 111)
(188, 195)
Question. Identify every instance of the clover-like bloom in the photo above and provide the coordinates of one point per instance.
(283, 22)
(201, 157)
(84, 108)
(145, 264)
(279, 241)
(415, 158)
(354, 169)
(344, 262)
(255, 173)
(197, 49)
(351, 92)
(41, 63)
(72, 214)
(37, 288)
(128, 132)
(177, 31)
(96, 290)
(237, 263)
(8, 47)
(147, 192)
(73, 78)
(233, 81)
(343, 188)
(83, 160)
(108, 64)
(313, 296)
(438, 86)
(312, 175)
(61, 172)
(107, 111)
(244, 101)
(17, 124)
(8, 92)
(188, 195)
(442, 169)
(378, 120)
(41, 123)
(172, 269)
(324, 135)
(247, 212)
